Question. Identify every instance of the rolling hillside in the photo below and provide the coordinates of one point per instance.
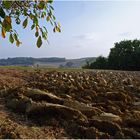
(49, 62)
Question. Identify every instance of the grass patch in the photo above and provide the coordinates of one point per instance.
(16, 67)
(41, 68)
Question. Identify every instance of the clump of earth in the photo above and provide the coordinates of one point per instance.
(69, 104)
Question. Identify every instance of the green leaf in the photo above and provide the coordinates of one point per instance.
(31, 16)
(51, 22)
(48, 18)
(45, 29)
(41, 5)
(35, 20)
(44, 13)
(54, 17)
(44, 35)
(7, 4)
(2, 13)
(32, 27)
(11, 39)
(39, 42)
(51, 7)
(25, 12)
(50, 1)
(17, 21)
(17, 12)
(25, 22)
(50, 13)
(15, 36)
(36, 34)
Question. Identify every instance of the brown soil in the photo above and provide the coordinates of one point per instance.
(51, 104)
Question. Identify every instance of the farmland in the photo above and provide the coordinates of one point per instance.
(73, 103)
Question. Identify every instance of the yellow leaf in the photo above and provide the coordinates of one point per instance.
(3, 32)
(36, 28)
(58, 24)
(58, 29)
(8, 19)
(54, 29)
(31, 16)
(18, 43)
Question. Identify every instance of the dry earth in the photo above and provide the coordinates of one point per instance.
(78, 104)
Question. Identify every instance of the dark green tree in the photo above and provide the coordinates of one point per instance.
(87, 65)
(125, 55)
(100, 63)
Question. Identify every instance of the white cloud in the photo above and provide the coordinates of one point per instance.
(85, 36)
(124, 34)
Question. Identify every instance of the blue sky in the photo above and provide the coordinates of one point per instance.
(89, 28)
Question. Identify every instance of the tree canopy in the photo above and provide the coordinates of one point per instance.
(123, 56)
(36, 11)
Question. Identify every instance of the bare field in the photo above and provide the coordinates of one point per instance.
(41, 103)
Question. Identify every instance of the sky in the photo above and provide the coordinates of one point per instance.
(89, 29)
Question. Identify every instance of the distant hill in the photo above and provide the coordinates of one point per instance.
(49, 62)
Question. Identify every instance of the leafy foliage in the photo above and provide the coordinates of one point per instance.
(124, 56)
(100, 63)
(14, 11)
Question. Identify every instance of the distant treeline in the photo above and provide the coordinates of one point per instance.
(26, 61)
(124, 56)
